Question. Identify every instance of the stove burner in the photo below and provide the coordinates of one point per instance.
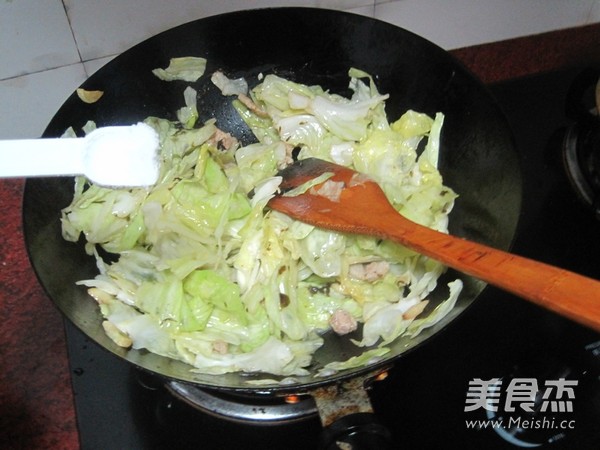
(241, 408)
(581, 159)
(581, 144)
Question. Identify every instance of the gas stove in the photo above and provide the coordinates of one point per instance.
(471, 386)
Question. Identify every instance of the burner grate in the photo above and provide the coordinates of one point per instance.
(256, 410)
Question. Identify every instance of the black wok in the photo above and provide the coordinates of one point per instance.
(478, 159)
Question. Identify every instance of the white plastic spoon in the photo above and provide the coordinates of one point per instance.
(119, 156)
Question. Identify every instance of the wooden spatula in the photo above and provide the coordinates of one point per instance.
(362, 208)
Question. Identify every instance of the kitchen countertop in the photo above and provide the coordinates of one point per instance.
(36, 400)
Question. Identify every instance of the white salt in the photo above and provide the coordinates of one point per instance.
(122, 156)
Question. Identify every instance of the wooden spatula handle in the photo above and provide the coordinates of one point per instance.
(567, 293)
(363, 208)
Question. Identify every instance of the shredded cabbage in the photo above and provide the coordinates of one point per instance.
(229, 86)
(185, 68)
(188, 114)
(208, 275)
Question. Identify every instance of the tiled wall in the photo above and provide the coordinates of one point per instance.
(49, 47)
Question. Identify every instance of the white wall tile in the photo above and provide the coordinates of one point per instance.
(459, 23)
(594, 14)
(109, 27)
(368, 11)
(34, 36)
(343, 4)
(28, 103)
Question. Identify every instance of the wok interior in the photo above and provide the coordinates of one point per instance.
(478, 159)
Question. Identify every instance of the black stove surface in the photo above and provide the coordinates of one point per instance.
(424, 400)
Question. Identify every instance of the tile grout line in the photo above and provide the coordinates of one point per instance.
(73, 35)
(35, 72)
